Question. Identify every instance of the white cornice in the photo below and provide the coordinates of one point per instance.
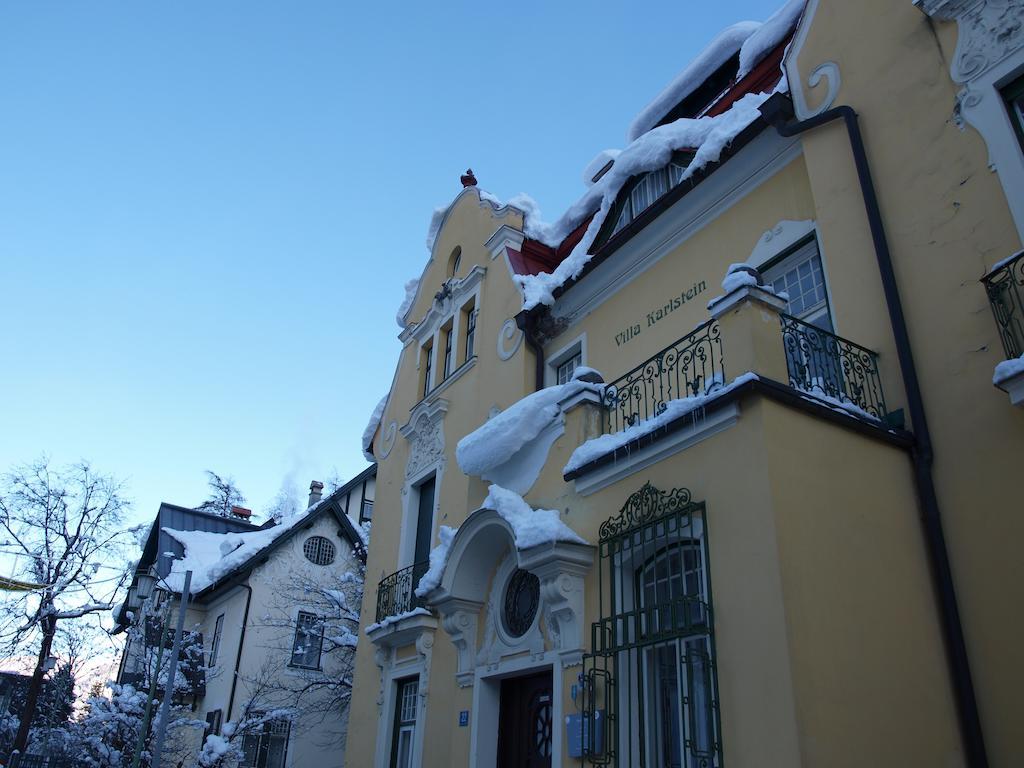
(504, 237)
(444, 306)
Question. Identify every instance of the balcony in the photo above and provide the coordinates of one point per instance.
(818, 363)
(1005, 288)
(832, 368)
(396, 594)
(688, 367)
(687, 391)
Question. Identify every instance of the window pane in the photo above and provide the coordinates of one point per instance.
(566, 369)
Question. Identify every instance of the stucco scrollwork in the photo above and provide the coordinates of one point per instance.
(387, 442)
(426, 445)
(509, 339)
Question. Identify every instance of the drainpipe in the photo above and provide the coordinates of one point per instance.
(527, 323)
(238, 657)
(777, 111)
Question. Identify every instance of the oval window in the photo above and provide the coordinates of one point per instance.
(318, 550)
(522, 597)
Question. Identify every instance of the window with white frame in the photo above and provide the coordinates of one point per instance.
(308, 641)
(267, 745)
(406, 705)
(562, 363)
(1013, 95)
(565, 369)
(470, 314)
(799, 274)
(218, 633)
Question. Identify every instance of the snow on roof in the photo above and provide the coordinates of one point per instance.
(768, 35)
(653, 150)
(728, 42)
(495, 441)
(411, 287)
(598, 164)
(371, 428)
(211, 556)
(532, 527)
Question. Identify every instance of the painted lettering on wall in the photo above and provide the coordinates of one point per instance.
(630, 332)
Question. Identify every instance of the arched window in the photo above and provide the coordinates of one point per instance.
(318, 550)
(455, 261)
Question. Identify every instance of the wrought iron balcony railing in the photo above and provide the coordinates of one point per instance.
(688, 367)
(1005, 288)
(396, 593)
(821, 363)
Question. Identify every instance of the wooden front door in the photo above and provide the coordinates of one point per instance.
(525, 722)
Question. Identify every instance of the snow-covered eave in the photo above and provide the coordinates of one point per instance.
(610, 245)
(745, 386)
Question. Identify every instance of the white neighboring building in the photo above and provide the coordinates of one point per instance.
(267, 602)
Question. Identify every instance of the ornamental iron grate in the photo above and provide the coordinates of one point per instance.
(688, 367)
(825, 365)
(396, 594)
(650, 690)
(1005, 288)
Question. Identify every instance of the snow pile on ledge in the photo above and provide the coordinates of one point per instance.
(211, 556)
(499, 439)
(395, 619)
(719, 50)
(371, 429)
(438, 558)
(739, 276)
(410, 296)
(532, 527)
(1008, 369)
(768, 35)
(435, 225)
(597, 447)
(653, 150)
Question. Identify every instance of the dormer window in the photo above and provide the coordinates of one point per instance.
(648, 188)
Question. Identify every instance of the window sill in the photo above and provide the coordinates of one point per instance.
(456, 374)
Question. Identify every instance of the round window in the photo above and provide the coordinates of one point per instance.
(522, 597)
(319, 550)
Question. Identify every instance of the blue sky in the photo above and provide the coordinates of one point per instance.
(208, 209)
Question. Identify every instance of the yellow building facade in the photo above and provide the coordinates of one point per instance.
(712, 471)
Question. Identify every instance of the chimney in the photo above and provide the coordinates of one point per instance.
(241, 512)
(316, 491)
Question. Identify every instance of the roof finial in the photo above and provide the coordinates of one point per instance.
(468, 179)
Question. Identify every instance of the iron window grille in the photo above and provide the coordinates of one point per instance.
(522, 598)
(267, 747)
(308, 641)
(218, 633)
(319, 550)
(691, 366)
(406, 705)
(1005, 288)
(650, 693)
